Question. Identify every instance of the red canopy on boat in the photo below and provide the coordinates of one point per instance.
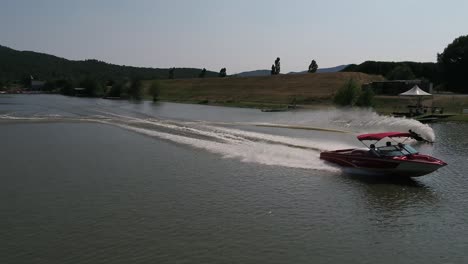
(379, 136)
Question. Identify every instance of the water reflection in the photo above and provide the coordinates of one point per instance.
(388, 200)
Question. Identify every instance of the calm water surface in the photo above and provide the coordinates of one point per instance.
(95, 181)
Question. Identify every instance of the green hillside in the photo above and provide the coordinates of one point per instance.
(19, 65)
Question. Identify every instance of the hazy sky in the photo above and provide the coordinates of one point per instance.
(239, 35)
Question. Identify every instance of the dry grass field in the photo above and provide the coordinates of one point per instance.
(279, 89)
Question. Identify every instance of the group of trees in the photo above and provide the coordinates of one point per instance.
(18, 66)
(127, 89)
(398, 70)
(64, 86)
(202, 74)
(450, 72)
(453, 65)
(222, 73)
(276, 67)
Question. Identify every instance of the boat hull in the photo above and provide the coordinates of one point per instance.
(414, 166)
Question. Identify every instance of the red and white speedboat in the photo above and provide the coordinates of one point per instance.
(392, 159)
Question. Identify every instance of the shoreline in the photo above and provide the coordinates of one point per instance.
(384, 105)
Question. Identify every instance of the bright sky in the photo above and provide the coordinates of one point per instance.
(240, 35)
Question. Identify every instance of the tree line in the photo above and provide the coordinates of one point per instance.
(18, 66)
(449, 73)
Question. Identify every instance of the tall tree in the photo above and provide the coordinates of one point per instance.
(313, 67)
(273, 69)
(222, 73)
(277, 66)
(454, 64)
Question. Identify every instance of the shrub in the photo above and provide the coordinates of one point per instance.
(116, 89)
(366, 98)
(348, 94)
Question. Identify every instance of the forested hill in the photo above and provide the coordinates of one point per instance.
(17, 65)
(398, 70)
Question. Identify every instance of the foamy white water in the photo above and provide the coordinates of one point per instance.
(367, 121)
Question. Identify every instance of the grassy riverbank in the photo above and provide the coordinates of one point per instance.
(263, 91)
(308, 90)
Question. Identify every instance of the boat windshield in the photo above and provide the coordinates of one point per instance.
(396, 150)
(390, 151)
(408, 149)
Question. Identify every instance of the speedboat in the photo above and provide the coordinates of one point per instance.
(391, 159)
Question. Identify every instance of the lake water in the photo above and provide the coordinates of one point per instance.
(99, 181)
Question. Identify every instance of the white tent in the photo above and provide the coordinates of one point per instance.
(415, 91)
(418, 93)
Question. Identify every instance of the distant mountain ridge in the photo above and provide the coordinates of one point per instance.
(268, 72)
(254, 73)
(18, 65)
